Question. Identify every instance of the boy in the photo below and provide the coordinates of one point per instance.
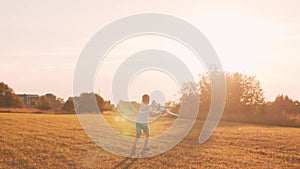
(142, 122)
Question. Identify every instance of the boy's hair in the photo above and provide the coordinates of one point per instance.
(146, 99)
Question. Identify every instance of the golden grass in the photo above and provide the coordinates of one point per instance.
(58, 141)
(25, 110)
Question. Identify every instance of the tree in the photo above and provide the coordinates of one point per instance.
(243, 93)
(128, 108)
(174, 106)
(205, 92)
(189, 88)
(69, 106)
(188, 102)
(8, 98)
(103, 105)
(283, 104)
(108, 106)
(43, 103)
(86, 103)
(252, 98)
(55, 103)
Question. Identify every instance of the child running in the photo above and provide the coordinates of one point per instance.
(142, 123)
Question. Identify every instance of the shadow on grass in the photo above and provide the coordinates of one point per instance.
(124, 164)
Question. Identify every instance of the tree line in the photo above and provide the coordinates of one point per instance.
(245, 101)
(8, 99)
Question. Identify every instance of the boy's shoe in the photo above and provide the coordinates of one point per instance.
(146, 149)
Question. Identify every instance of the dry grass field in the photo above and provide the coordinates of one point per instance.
(58, 141)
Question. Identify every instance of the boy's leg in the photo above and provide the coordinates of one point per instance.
(134, 144)
(138, 129)
(138, 135)
(136, 139)
(146, 142)
(147, 131)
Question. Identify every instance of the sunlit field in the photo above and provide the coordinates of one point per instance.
(58, 141)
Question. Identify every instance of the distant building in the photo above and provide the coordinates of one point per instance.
(29, 99)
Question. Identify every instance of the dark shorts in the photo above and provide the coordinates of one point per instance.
(140, 127)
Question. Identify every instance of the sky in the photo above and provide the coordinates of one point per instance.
(42, 40)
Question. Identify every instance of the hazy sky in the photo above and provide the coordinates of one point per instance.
(41, 41)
